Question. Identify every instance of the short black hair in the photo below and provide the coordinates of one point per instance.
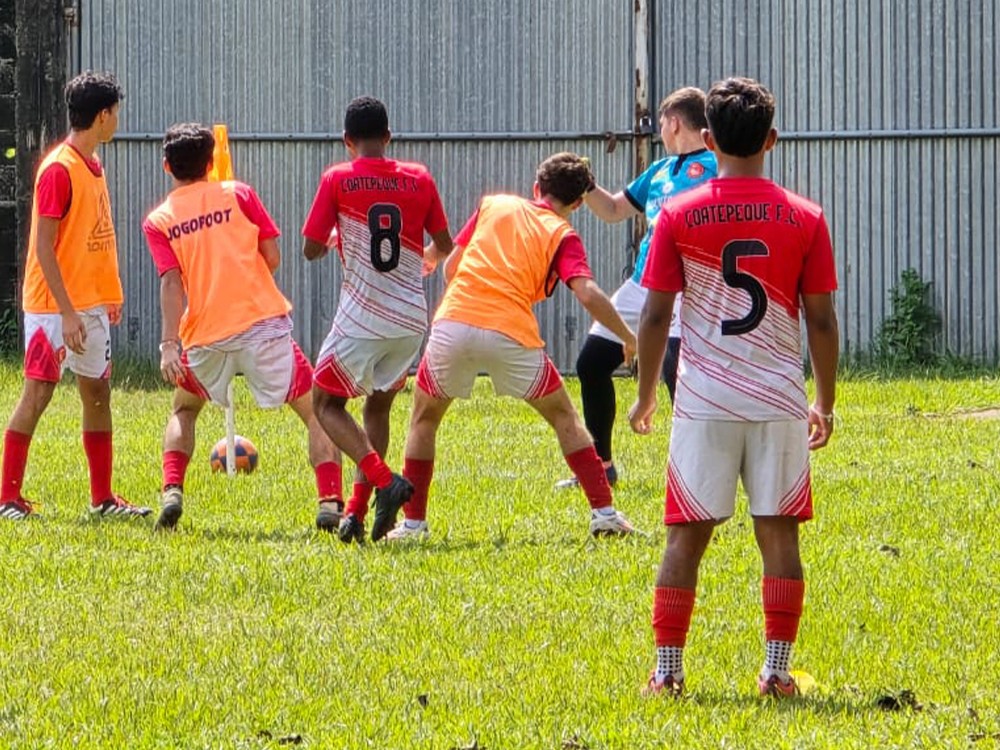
(88, 95)
(188, 148)
(565, 176)
(366, 118)
(740, 113)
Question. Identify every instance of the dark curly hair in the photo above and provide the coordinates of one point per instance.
(565, 176)
(366, 118)
(188, 148)
(740, 112)
(88, 95)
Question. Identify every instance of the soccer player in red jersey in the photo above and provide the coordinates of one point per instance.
(748, 255)
(381, 208)
(72, 295)
(215, 248)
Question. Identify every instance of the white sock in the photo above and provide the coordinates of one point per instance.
(606, 511)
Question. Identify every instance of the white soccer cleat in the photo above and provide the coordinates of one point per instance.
(610, 524)
(408, 530)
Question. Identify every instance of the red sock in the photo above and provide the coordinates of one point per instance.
(419, 472)
(328, 480)
(589, 469)
(782, 608)
(376, 470)
(358, 504)
(15, 458)
(672, 610)
(175, 465)
(97, 446)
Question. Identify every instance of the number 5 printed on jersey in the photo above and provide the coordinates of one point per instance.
(739, 280)
(377, 216)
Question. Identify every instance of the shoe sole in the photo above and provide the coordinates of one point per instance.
(169, 517)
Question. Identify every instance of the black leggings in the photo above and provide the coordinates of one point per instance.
(598, 360)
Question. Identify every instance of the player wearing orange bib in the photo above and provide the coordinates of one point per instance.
(215, 246)
(72, 295)
(509, 256)
(748, 255)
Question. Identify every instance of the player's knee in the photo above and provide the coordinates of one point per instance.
(36, 395)
(95, 392)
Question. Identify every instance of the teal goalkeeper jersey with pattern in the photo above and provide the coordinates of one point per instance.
(663, 180)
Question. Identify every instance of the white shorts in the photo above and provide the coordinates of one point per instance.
(275, 370)
(349, 367)
(628, 301)
(456, 353)
(707, 457)
(45, 352)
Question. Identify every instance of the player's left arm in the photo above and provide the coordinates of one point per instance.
(321, 220)
(439, 249)
(823, 335)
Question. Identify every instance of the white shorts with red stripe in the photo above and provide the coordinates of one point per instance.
(708, 457)
(45, 352)
(350, 367)
(275, 370)
(456, 353)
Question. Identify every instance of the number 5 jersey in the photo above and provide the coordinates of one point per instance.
(381, 208)
(743, 251)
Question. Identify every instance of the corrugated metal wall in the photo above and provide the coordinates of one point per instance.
(889, 112)
(890, 117)
(285, 71)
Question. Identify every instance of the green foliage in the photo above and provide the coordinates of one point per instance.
(509, 627)
(907, 336)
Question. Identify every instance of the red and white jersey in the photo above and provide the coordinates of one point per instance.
(743, 251)
(381, 209)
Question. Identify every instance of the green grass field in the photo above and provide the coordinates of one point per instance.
(510, 627)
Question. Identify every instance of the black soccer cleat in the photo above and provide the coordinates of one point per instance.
(388, 501)
(351, 529)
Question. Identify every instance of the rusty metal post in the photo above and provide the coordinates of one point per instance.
(643, 119)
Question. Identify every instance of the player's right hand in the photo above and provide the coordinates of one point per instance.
(640, 416)
(171, 367)
(74, 332)
(630, 347)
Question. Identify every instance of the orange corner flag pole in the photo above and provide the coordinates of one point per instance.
(222, 163)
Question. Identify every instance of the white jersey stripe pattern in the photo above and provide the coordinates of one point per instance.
(376, 304)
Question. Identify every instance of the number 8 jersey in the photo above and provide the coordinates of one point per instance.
(743, 251)
(381, 208)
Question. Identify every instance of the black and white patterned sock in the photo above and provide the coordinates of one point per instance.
(776, 660)
(669, 663)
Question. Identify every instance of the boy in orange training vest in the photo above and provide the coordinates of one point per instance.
(214, 244)
(72, 295)
(510, 255)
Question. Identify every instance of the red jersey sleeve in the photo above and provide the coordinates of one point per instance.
(570, 261)
(159, 247)
(253, 208)
(54, 192)
(436, 220)
(465, 234)
(819, 272)
(664, 269)
(322, 216)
